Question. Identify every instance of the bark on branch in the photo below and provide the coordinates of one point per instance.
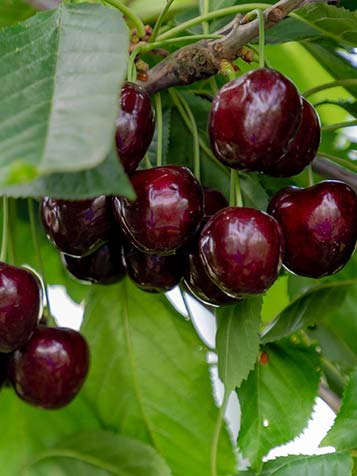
(203, 59)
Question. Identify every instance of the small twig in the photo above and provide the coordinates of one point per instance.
(202, 59)
(330, 170)
(329, 397)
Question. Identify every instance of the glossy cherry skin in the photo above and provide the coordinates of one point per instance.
(103, 266)
(253, 118)
(167, 212)
(200, 285)
(50, 369)
(303, 148)
(20, 306)
(241, 250)
(154, 273)
(319, 225)
(135, 126)
(214, 200)
(77, 227)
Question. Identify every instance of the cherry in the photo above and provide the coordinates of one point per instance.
(241, 250)
(20, 306)
(200, 285)
(103, 266)
(253, 118)
(319, 226)
(77, 227)
(49, 370)
(135, 126)
(154, 273)
(302, 150)
(214, 200)
(167, 212)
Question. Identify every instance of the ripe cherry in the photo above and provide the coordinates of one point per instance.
(241, 250)
(77, 227)
(302, 149)
(319, 227)
(167, 212)
(135, 126)
(20, 306)
(154, 273)
(253, 118)
(50, 369)
(103, 266)
(200, 285)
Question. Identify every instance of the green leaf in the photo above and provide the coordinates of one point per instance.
(13, 11)
(98, 452)
(61, 72)
(337, 333)
(343, 435)
(108, 178)
(277, 399)
(149, 378)
(27, 430)
(331, 464)
(349, 106)
(335, 22)
(237, 341)
(335, 62)
(311, 307)
(291, 29)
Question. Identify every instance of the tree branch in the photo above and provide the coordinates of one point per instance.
(202, 59)
(330, 170)
(329, 397)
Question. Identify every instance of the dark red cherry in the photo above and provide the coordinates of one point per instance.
(154, 273)
(214, 200)
(302, 149)
(103, 266)
(135, 126)
(200, 285)
(20, 306)
(241, 250)
(50, 369)
(167, 212)
(253, 118)
(319, 225)
(77, 227)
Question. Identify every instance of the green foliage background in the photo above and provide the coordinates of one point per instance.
(147, 407)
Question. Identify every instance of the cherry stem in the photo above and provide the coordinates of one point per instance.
(180, 39)
(131, 75)
(130, 15)
(38, 254)
(260, 15)
(204, 4)
(333, 84)
(339, 125)
(217, 432)
(226, 68)
(160, 20)
(189, 119)
(310, 176)
(147, 161)
(211, 16)
(5, 228)
(158, 110)
(235, 194)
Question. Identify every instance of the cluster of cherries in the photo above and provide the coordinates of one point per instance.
(177, 231)
(46, 366)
